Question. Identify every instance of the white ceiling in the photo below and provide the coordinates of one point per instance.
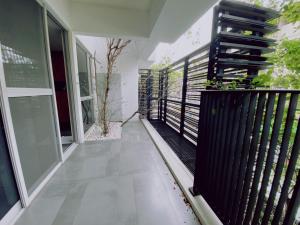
(142, 5)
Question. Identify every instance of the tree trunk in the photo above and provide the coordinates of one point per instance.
(105, 102)
(114, 49)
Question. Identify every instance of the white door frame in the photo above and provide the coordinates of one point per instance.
(5, 93)
(10, 136)
(91, 82)
(76, 87)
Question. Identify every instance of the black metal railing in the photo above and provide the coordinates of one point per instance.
(241, 145)
(247, 164)
(179, 92)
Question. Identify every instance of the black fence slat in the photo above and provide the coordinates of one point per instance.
(260, 157)
(294, 204)
(222, 143)
(165, 95)
(251, 157)
(244, 157)
(281, 158)
(288, 178)
(214, 151)
(237, 105)
(183, 97)
(211, 131)
(222, 181)
(270, 157)
(219, 149)
(198, 178)
(204, 144)
(237, 155)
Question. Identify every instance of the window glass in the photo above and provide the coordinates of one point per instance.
(36, 137)
(83, 72)
(9, 195)
(22, 44)
(87, 114)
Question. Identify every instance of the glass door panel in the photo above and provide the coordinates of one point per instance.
(23, 44)
(9, 195)
(62, 81)
(36, 137)
(29, 88)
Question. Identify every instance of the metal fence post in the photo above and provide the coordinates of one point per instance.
(149, 93)
(160, 94)
(166, 86)
(183, 98)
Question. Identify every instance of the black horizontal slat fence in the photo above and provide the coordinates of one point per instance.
(181, 85)
(247, 164)
(241, 145)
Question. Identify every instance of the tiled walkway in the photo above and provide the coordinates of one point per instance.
(120, 182)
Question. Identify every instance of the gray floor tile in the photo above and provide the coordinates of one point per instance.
(118, 182)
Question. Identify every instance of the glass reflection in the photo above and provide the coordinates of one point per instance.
(87, 114)
(22, 44)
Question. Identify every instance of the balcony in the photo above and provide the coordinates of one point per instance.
(207, 146)
(113, 182)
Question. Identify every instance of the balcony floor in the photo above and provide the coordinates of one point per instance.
(120, 182)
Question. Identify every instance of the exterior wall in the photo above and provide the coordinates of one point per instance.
(114, 95)
(130, 75)
(61, 9)
(127, 66)
(110, 21)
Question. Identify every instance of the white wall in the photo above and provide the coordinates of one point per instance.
(99, 20)
(61, 9)
(127, 66)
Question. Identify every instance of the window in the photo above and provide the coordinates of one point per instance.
(30, 96)
(84, 73)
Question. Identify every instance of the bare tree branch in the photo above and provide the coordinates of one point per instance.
(114, 49)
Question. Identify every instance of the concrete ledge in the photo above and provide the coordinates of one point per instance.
(183, 177)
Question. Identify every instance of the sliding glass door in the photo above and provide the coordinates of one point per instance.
(29, 88)
(9, 195)
(62, 81)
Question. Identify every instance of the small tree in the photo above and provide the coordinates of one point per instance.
(114, 49)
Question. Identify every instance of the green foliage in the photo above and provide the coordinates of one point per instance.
(221, 86)
(264, 79)
(256, 2)
(285, 71)
(174, 77)
(166, 61)
(291, 12)
(288, 81)
(289, 52)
